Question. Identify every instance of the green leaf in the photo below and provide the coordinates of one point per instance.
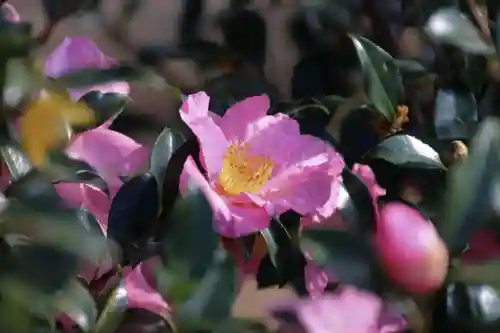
(385, 87)
(471, 188)
(211, 303)
(91, 77)
(190, 241)
(166, 144)
(343, 255)
(16, 161)
(105, 105)
(15, 39)
(113, 312)
(77, 303)
(56, 10)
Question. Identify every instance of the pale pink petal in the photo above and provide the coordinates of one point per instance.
(391, 322)
(229, 220)
(213, 143)
(238, 117)
(71, 193)
(368, 177)
(111, 153)
(316, 279)
(327, 215)
(142, 295)
(77, 53)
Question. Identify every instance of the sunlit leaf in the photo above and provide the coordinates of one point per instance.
(450, 26)
(76, 302)
(16, 161)
(21, 80)
(407, 151)
(166, 144)
(46, 125)
(113, 311)
(385, 87)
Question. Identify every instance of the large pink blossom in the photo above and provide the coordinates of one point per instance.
(257, 165)
(350, 311)
(77, 53)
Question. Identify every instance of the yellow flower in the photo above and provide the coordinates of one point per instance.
(47, 124)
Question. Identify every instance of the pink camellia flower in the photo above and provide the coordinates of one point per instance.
(410, 249)
(483, 246)
(77, 53)
(350, 311)
(257, 165)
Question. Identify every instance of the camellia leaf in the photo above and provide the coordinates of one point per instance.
(64, 169)
(20, 81)
(56, 10)
(343, 255)
(133, 211)
(34, 188)
(210, 304)
(190, 240)
(16, 161)
(406, 151)
(77, 303)
(450, 26)
(385, 87)
(15, 39)
(91, 77)
(113, 312)
(166, 144)
(105, 105)
(469, 197)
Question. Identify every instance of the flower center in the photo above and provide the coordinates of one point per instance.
(243, 172)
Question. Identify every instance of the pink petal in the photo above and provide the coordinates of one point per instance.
(77, 53)
(109, 152)
(142, 295)
(229, 220)
(368, 177)
(238, 117)
(213, 143)
(316, 279)
(352, 311)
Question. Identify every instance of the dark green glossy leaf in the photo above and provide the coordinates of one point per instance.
(211, 303)
(285, 261)
(90, 222)
(411, 69)
(406, 151)
(343, 255)
(133, 211)
(190, 240)
(91, 77)
(105, 105)
(113, 312)
(385, 87)
(166, 144)
(469, 199)
(21, 80)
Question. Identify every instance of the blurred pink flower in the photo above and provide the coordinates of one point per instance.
(257, 165)
(483, 246)
(351, 311)
(77, 53)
